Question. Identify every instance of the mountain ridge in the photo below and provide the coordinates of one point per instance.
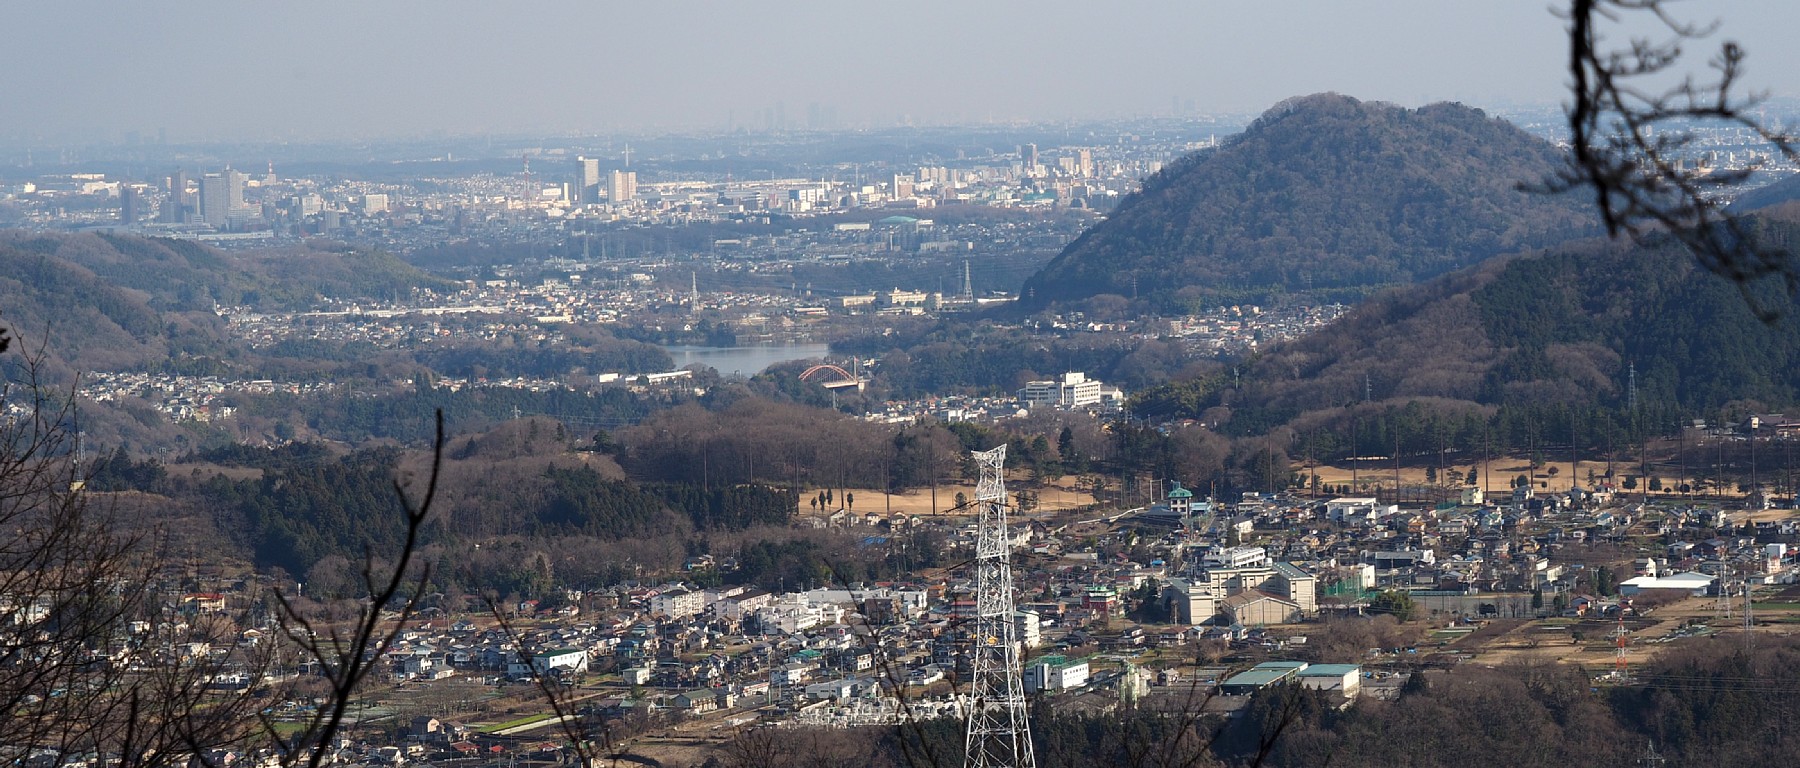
(1577, 327)
(1321, 192)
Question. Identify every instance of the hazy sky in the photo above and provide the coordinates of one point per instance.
(81, 71)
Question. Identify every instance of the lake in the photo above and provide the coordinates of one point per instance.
(745, 361)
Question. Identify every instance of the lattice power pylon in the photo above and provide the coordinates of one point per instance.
(999, 734)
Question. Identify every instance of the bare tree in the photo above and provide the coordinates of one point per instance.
(1631, 116)
(98, 656)
(103, 656)
(347, 647)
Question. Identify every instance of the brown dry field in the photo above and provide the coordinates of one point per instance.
(1052, 497)
(1497, 476)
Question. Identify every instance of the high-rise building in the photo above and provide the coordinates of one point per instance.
(587, 180)
(1029, 158)
(178, 204)
(302, 206)
(130, 201)
(621, 187)
(221, 194)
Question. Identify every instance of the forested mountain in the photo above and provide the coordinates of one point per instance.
(1563, 329)
(1786, 190)
(1322, 192)
(111, 302)
(87, 321)
(184, 275)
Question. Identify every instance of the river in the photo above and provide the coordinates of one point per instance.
(745, 361)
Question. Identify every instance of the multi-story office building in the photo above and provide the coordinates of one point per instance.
(587, 180)
(621, 187)
(1072, 390)
(221, 195)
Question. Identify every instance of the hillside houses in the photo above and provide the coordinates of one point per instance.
(1110, 587)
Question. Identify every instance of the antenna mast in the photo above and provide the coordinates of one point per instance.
(999, 733)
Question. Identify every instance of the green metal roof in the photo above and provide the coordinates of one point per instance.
(1259, 677)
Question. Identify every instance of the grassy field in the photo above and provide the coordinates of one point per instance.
(527, 720)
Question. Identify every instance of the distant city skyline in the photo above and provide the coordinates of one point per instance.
(224, 71)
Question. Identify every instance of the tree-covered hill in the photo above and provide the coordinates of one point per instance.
(182, 275)
(115, 302)
(1564, 328)
(1321, 193)
(1787, 190)
(82, 320)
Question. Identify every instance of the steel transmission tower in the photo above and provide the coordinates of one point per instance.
(999, 733)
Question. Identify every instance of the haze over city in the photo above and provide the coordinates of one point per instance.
(995, 384)
(222, 71)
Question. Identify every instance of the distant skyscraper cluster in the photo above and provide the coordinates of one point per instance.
(218, 202)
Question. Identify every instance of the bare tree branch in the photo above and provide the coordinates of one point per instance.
(1628, 127)
(346, 663)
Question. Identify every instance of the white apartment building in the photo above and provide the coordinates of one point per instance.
(1055, 673)
(678, 603)
(1237, 557)
(1071, 390)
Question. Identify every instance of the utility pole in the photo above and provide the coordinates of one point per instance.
(1755, 496)
(1621, 640)
(1487, 436)
(1681, 452)
(999, 729)
(1749, 621)
(1574, 458)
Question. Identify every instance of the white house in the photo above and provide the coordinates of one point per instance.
(1358, 509)
(571, 659)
